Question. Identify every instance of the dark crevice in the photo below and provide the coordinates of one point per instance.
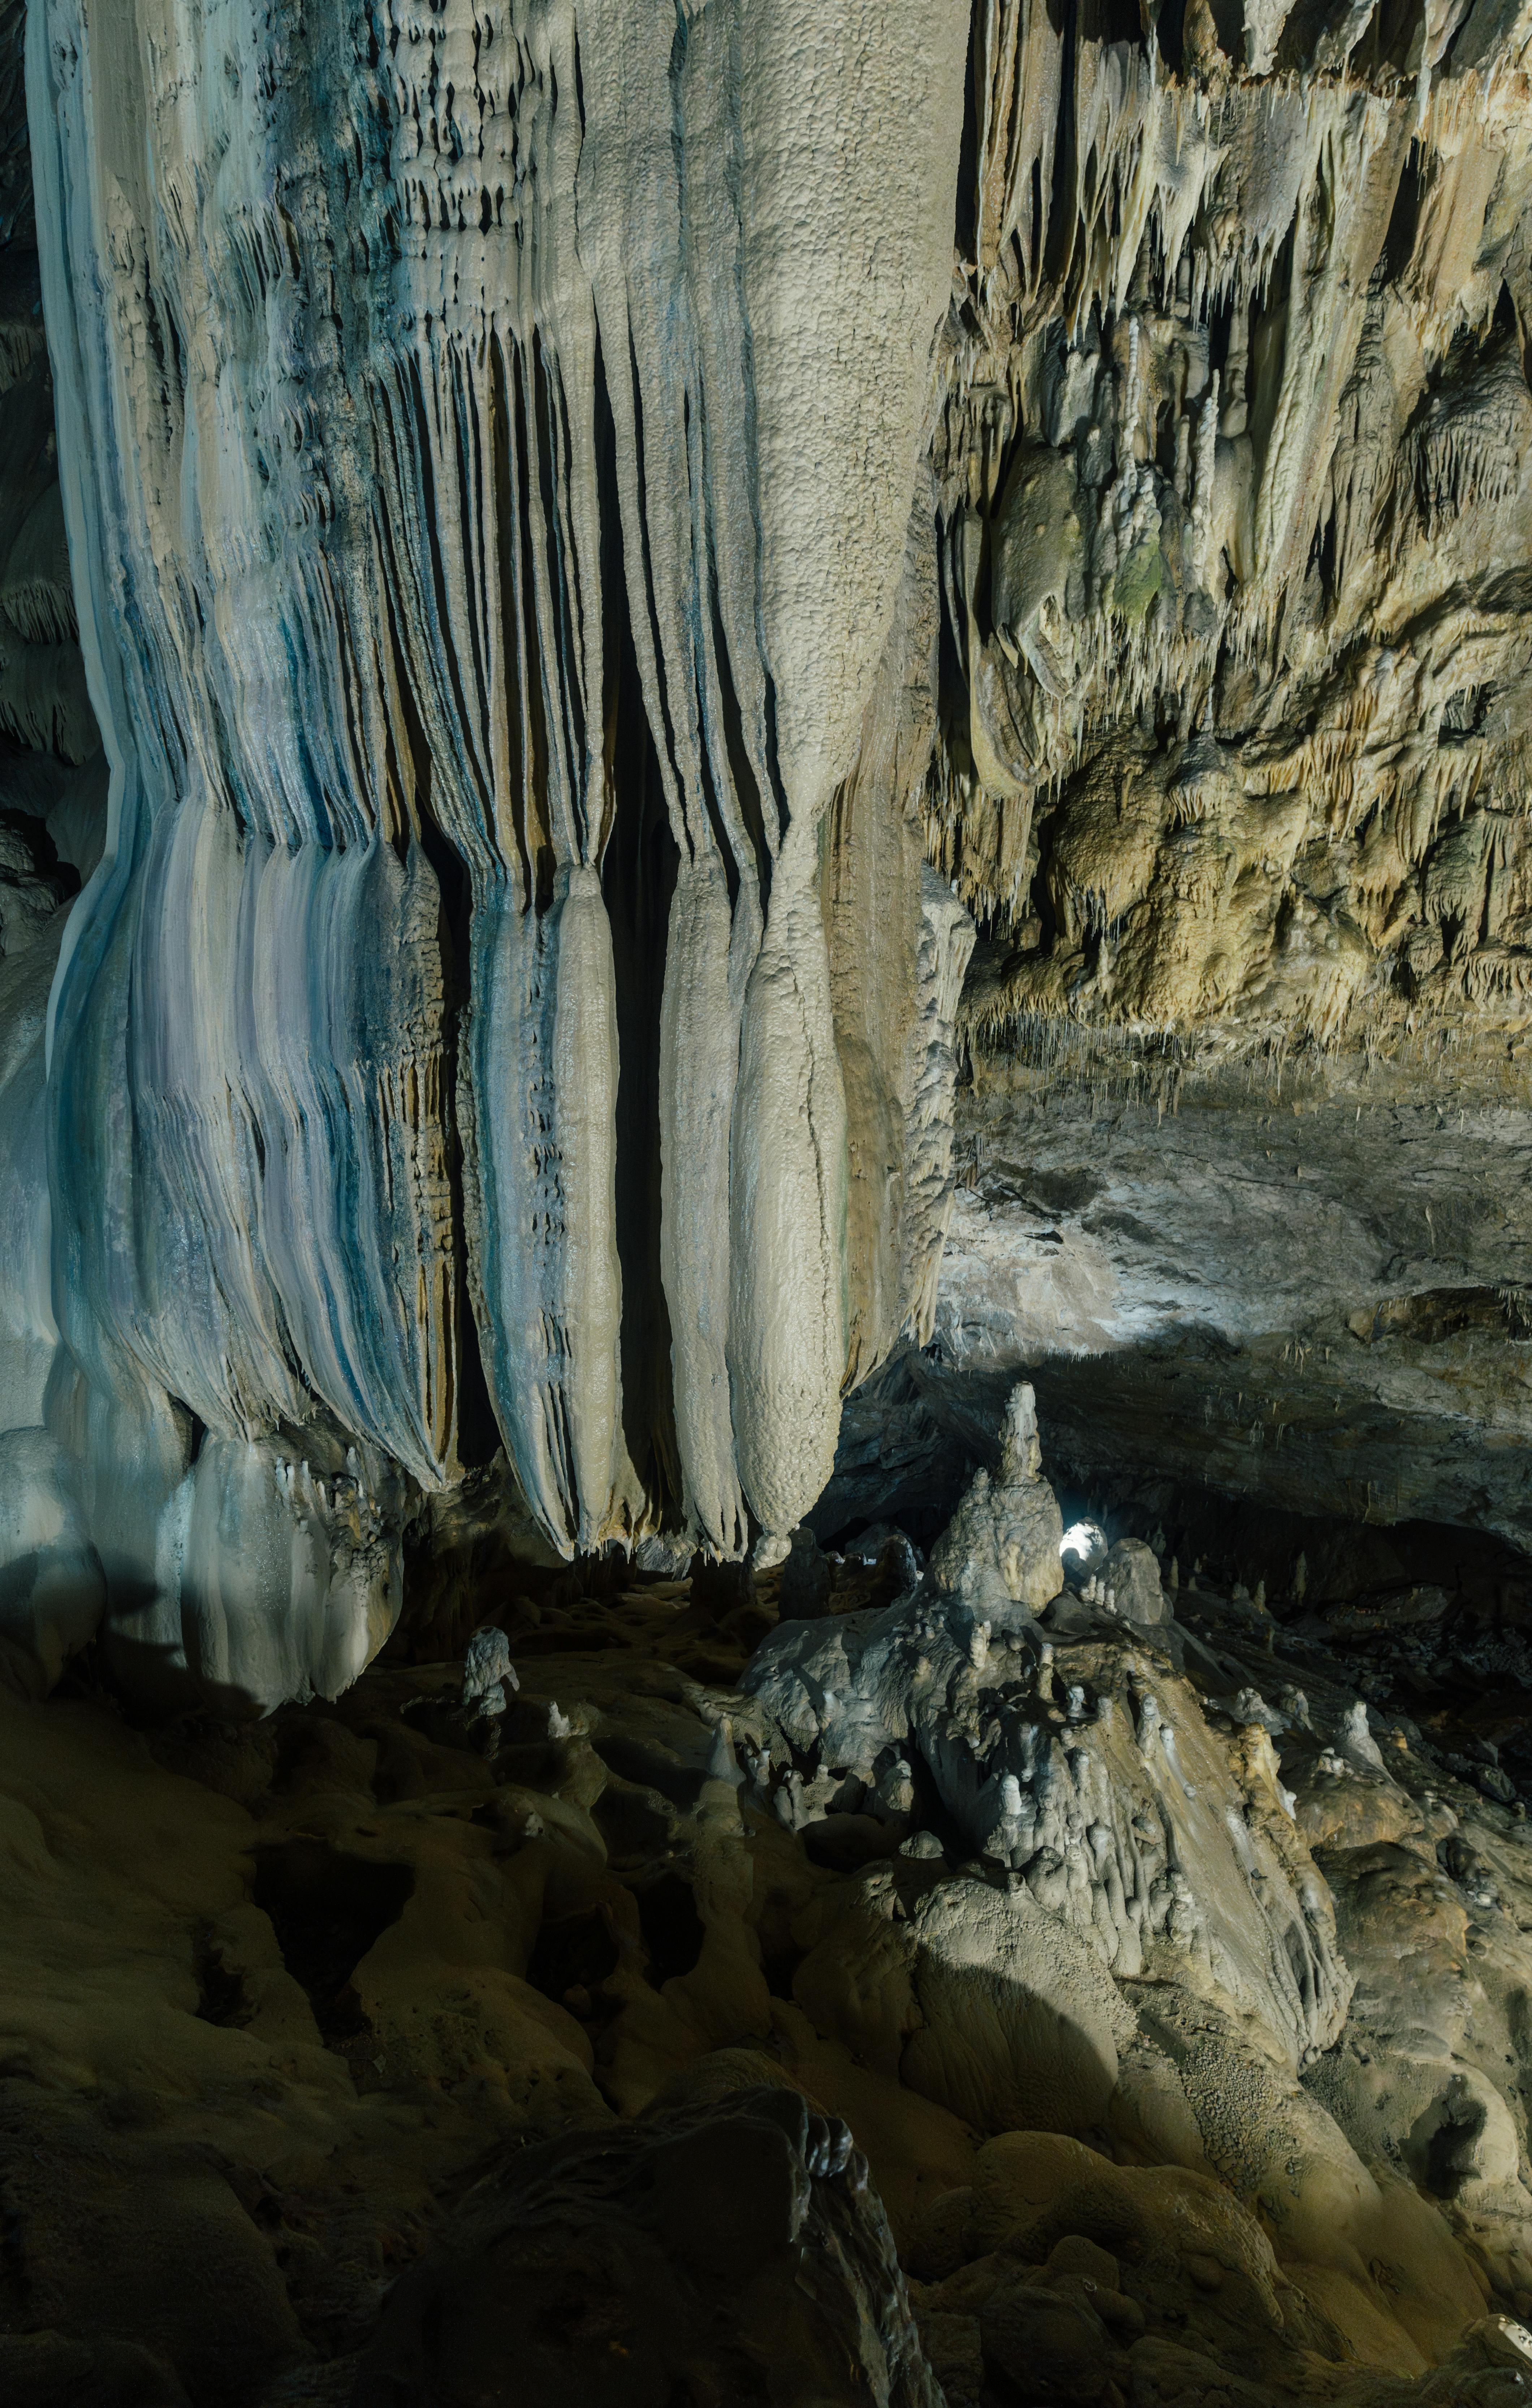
(631, 1825)
(1110, 21)
(221, 1989)
(1060, 198)
(1404, 219)
(1268, 347)
(605, 433)
(512, 650)
(672, 1928)
(965, 215)
(436, 561)
(650, 1768)
(1463, 713)
(521, 608)
(1391, 42)
(327, 1909)
(638, 878)
(15, 2280)
(736, 751)
(478, 1433)
(1451, 2152)
(1322, 559)
(548, 401)
(572, 1951)
(1229, 26)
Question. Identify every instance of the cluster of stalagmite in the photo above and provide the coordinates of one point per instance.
(1081, 1778)
(1109, 1869)
(1001, 1979)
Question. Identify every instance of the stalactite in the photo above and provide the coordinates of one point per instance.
(1242, 368)
(556, 532)
(422, 390)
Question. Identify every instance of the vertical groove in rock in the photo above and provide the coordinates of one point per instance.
(422, 386)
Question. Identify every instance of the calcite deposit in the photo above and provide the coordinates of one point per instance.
(556, 515)
(492, 455)
(765, 967)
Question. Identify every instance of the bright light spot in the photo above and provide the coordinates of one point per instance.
(1086, 1540)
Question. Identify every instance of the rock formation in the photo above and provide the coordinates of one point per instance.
(926, 1999)
(1071, 1767)
(1235, 513)
(493, 458)
(562, 513)
(766, 955)
(700, 2222)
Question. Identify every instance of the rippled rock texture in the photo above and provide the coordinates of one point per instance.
(510, 1007)
(598, 542)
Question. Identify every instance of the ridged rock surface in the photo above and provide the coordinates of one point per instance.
(489, 455)
(598, 542)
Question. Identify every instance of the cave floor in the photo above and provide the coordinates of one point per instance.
(277, 2000)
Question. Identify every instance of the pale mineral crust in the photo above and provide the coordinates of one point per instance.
(564, 511)
(491, 454)
(765, 964)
